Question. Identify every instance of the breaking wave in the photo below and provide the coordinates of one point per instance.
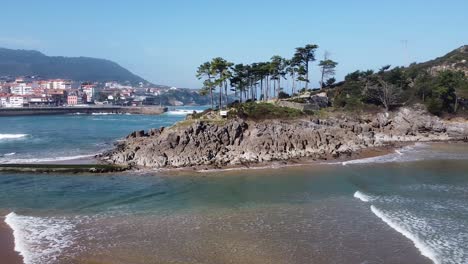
(12, 136)
(416, 152)
(40, 239)
(41, 160)
(182, 112)
(419, 243)
(362, 196)
(440, 240)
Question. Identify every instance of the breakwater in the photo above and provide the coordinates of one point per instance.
(144, 110)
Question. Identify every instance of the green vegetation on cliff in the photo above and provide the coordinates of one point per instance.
(440, 84)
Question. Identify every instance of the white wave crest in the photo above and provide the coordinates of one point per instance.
(182, 112)
(9, 154)
(12, 136)
(104, 114)
(39, 160)
(419, 243)
(405, 154)
(40, 239)
(362, 196)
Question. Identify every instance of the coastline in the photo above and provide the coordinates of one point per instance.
(7, 245)
(94, 165)
(371, 152)
(400, 242)
(243, 143)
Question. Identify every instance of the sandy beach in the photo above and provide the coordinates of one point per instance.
(8, 255)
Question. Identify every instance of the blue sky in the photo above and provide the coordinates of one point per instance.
(165, 41)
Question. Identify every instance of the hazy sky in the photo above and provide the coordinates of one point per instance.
(165, 41)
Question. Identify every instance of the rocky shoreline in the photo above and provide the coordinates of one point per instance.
(236, 142)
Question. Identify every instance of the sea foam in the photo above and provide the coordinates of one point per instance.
(362, 196)
(40, 239)
(182, 112)
(419, 243)
(12, 136)
(41, 160)
(405, 154)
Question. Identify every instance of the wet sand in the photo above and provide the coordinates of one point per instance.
(329, 232)
(8, 255)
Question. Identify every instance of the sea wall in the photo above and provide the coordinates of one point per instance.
(239, 141)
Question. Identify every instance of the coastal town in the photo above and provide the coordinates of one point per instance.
(32, 91)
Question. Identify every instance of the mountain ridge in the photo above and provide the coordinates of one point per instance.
(21, 62)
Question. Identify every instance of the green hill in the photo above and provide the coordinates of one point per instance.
(441, 84)
(30, 62)
(456, 60)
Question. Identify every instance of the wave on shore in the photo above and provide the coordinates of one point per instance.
(416, 152)
(42, 160)
(420, 245)
(40, 239)
(434, 238)
(12, 136)
(404, 154)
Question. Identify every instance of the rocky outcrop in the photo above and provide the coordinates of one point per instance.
(310, 103)
(238, 141)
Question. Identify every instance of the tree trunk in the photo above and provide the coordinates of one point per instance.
(323, 75)
(261, 90)
(220, 96)
(226, 93)
(293, 82)
(211, 97)
(279, 86)
(240, 94)
(267, 90)
(274, 87)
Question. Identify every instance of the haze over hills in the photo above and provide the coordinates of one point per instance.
(31, 62)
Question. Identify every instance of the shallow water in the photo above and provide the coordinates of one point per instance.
(406, 207)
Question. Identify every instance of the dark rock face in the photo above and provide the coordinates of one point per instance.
(239, 142)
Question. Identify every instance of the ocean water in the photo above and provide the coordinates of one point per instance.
(410, 206)
(26, 139)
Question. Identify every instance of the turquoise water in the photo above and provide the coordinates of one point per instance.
(406, 207)
(64, 137)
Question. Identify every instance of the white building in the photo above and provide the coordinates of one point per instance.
(21, 89)
(55, 84)
(15, 101)
(116, 85)
(60, 84)
(3, 101)
(89, 91)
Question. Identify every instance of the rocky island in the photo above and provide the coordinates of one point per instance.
(241, 142)
(421, 103)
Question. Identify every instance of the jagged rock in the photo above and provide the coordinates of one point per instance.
(244, 142)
